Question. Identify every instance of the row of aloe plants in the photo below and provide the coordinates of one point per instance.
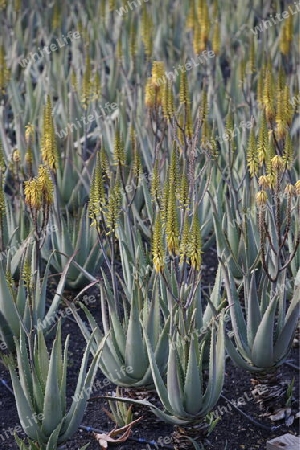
(158, 196)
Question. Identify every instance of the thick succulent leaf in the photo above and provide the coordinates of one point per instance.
(6, 334)
(52, 400)
(53, 439)
(25, 375)
(215, 297)
(238, 359)
(157, 378)
(236, 312)
(24, 409)
(135, 352)
(253, 314)
(7, 304)
(193, 382)
(284, 340)
(175, 391)
(262, 350)
(74, 417)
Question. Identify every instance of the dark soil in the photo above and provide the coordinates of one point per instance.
(233, 432)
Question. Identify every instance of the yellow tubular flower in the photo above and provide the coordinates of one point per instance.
(157, 245)
(261, 198)
(290, 190)
(277, 163)
(155, 182)
(184, 244)
(97, 192)
(297, 187)
(195, 244)
(46, 186)
(158, 73)
(264, 181)
(48, 142)
(172, 227)
(281, 116)
(269, 93)
(119, 154)
(86, 83)
(32, 192)
(262, 143)
(149, 94)
(216, 40)
(252, 160)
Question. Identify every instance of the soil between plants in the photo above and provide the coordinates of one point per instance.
(233, 432)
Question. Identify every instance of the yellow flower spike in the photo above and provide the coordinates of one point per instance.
(172, 226)
(97, 192)
(158, 72)
(189, 121)
(281, 116)
(251, 63)
(277, 163)
(32, 192)
(4, 71)
(56, 20)
(29, 132)
(46, 185)
(184, 243)
(286, 35)
(96, 86)
(114, 207)
(263, 139)
(290, 190)
(147, 31)
(288, 109)
(269, 93)
(270, 153)
(197, 38)
(48, 141)
(242, 70)
(184, 191)
(2, 160)
(155, 182)
(216, 39)
(16, 156)
(86, 83)
(195, 245)
(190, 19)
(119, 155)
(229, 125)
(137, 164)
(184, 89)
(271, 180)
(2, 200)
(149, 94)
(264, 181)
(170, 102)
(252, 159)
(288, 152)
(29, 159)
(205, 133)
(261, 198)
(112, 5)
(165, 200)
(157, 245)
(297, 187)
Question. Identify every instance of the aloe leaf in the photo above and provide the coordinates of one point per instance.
(254, 315)
(7, 304)
(52, 400)
(134, 354)
(262, 350)
(193, 382)
(175, 394)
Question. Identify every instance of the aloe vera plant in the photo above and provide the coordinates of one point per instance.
(39, 387)
(185, 378)
(261, 339)
(74, 236)
(26, 304)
